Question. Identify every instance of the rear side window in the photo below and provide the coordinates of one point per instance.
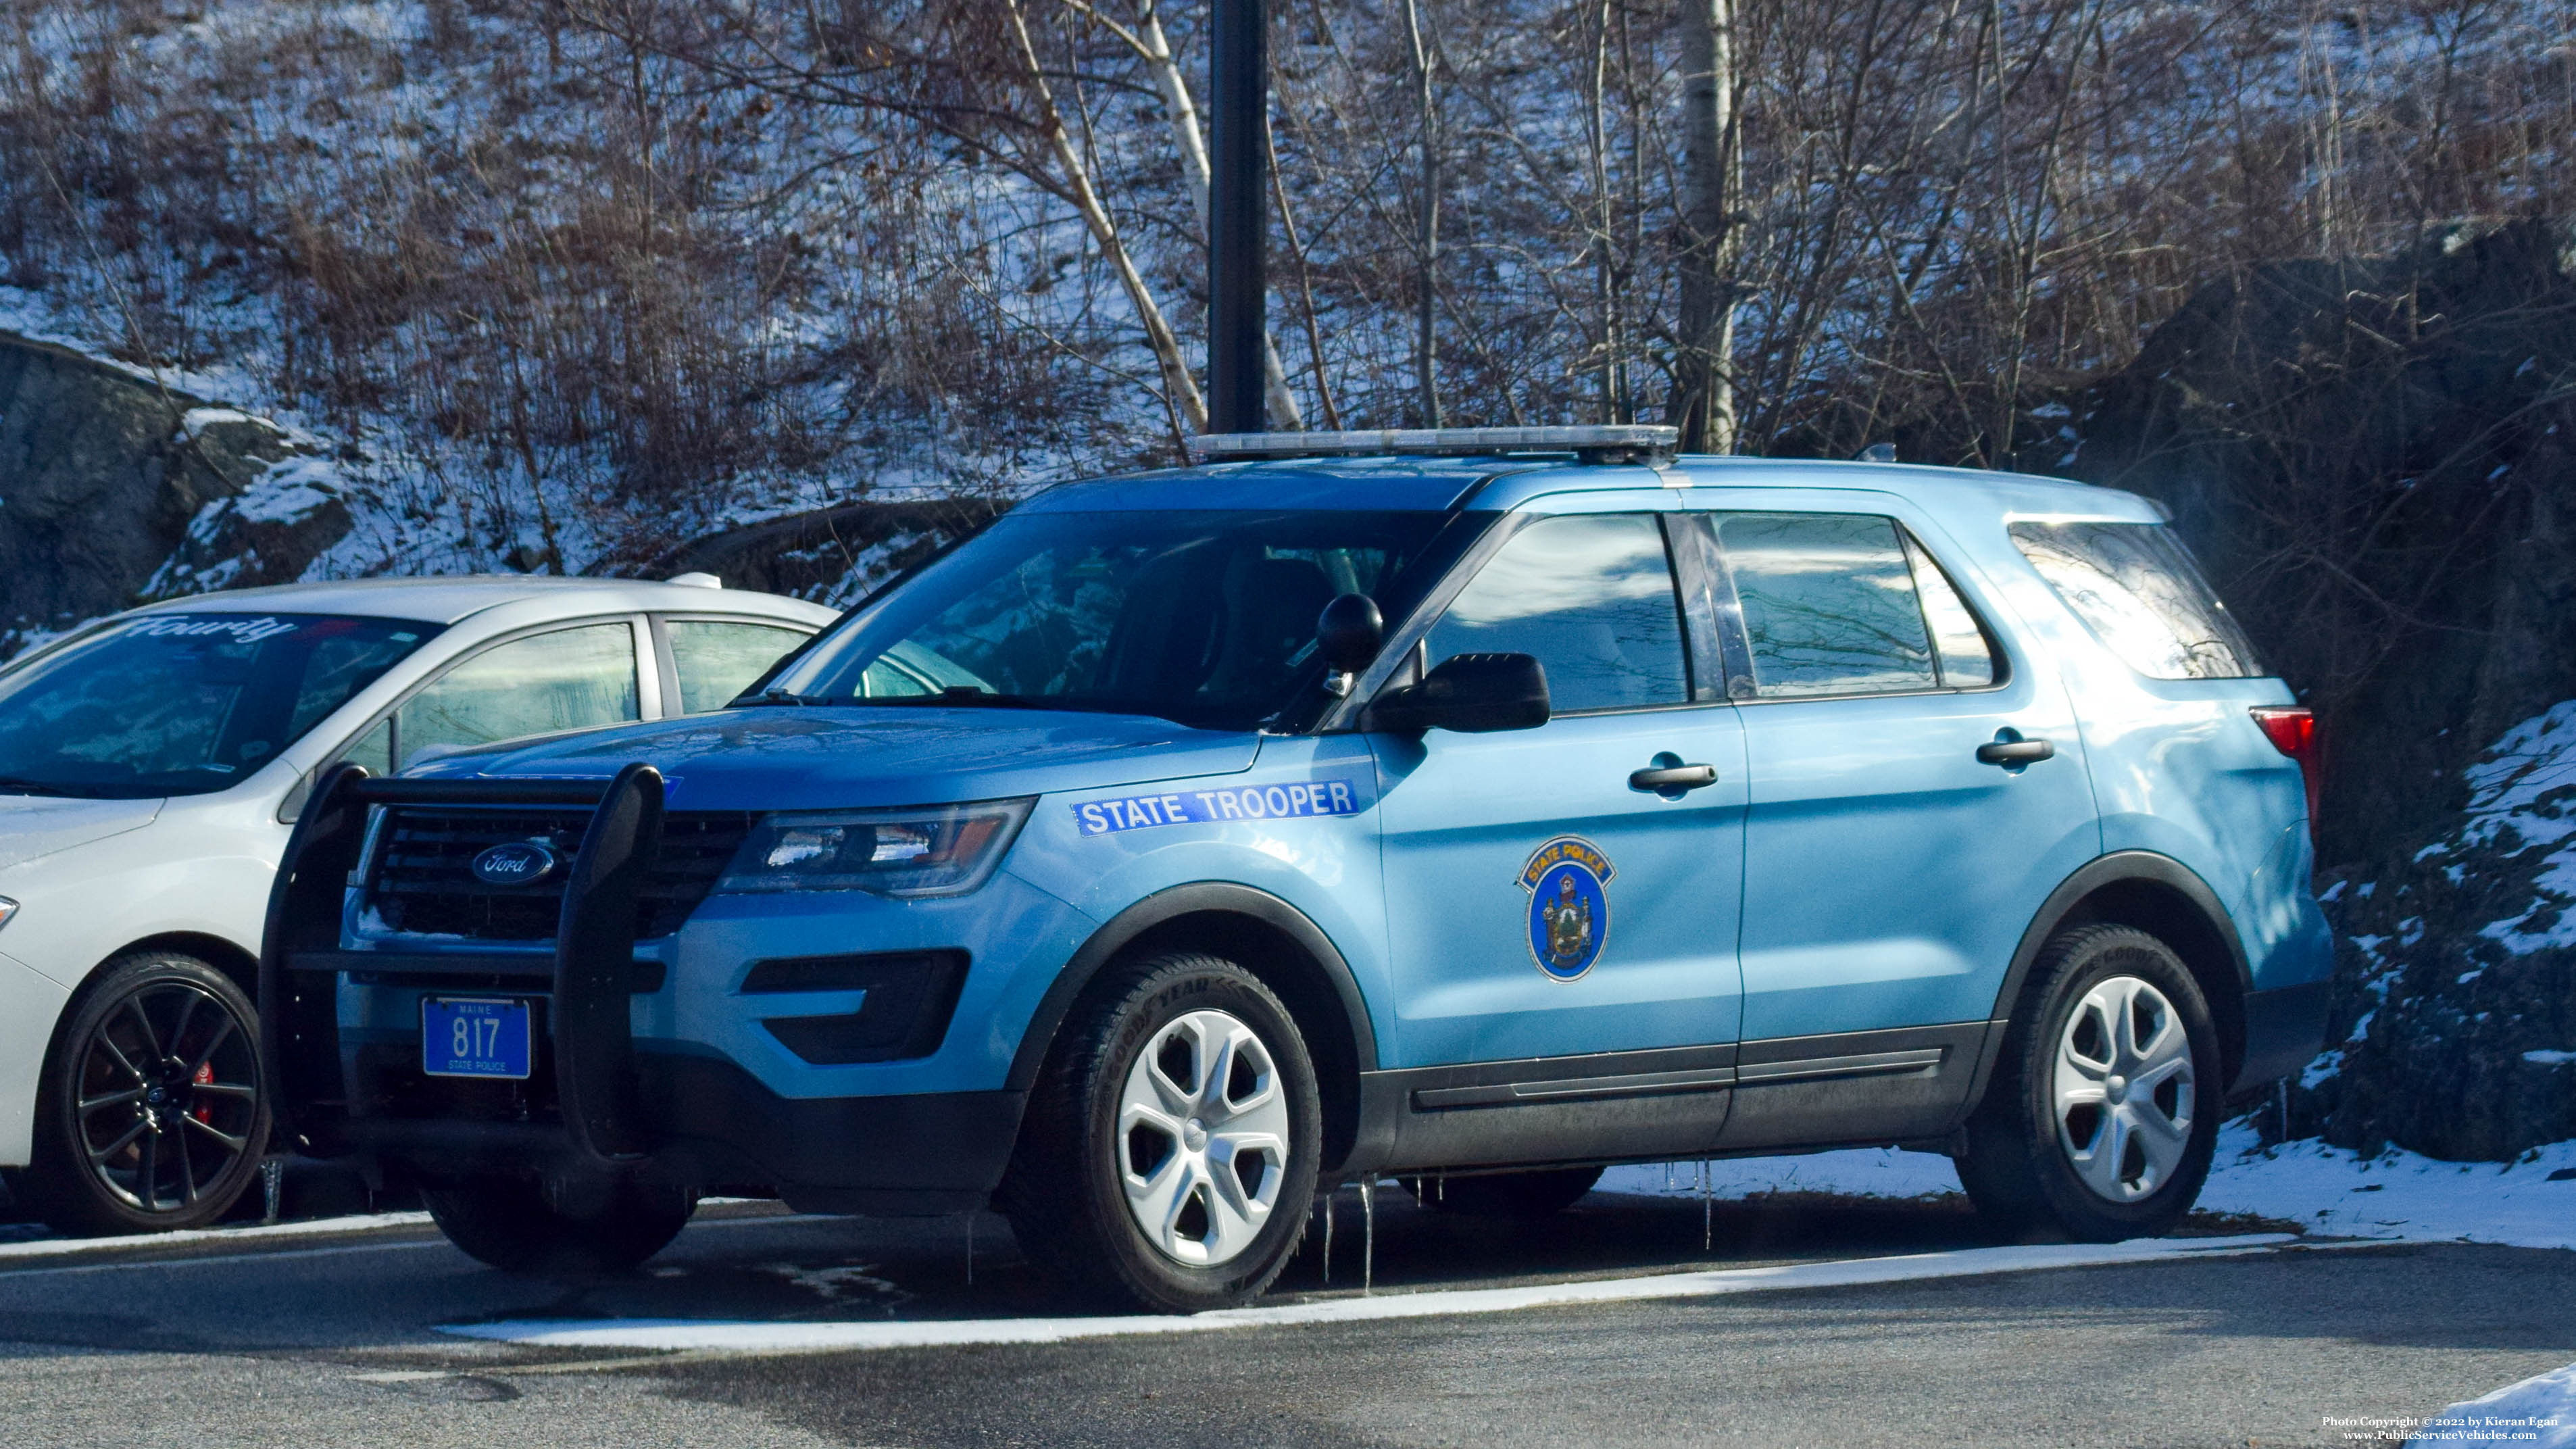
(2137, 589)
(1829, 604)
(717, 659)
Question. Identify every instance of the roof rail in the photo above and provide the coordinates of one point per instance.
(1607, 443)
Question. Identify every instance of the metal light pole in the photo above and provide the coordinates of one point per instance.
(1238, 214)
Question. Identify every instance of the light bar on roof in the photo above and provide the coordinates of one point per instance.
(1604, 443)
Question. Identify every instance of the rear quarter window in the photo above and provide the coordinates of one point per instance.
(2136, 588)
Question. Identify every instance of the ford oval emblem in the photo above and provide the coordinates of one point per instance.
(513, 863)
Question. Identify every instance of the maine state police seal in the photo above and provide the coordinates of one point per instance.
(1569, 911)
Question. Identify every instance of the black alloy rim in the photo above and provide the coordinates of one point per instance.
(167, 1096)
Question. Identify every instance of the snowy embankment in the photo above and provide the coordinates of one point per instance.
(2328, 1191)
(2539, 1412)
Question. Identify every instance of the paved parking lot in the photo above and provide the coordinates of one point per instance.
(299, 1337)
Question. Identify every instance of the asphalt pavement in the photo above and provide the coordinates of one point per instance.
(299, 1336)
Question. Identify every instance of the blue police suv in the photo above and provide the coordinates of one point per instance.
(1479, 806)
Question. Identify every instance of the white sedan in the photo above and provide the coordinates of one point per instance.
(151, 766)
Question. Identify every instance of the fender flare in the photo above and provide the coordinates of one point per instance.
(1169, 904)
(2119, 866)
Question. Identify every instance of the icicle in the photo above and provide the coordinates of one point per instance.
(271, 1180)
(1443, 1188)
(1368, 1232)
(1707, 1212)
(1328, 1234)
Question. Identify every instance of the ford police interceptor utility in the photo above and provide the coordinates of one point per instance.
(1484, 806)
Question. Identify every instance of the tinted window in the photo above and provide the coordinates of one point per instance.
(1591, 596)
(183, 704)
(1829, 604)
(1203, 617)
(2138, 590)
(717, 660)
(565, 680)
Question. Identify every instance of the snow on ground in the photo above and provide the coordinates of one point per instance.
(2539, 1411)
(2332, 1192)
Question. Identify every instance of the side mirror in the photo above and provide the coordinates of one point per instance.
(1469, 693)
(1350, 632)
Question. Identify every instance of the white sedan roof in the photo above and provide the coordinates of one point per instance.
(447, 600)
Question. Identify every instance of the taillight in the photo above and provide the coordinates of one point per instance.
(2292, 729)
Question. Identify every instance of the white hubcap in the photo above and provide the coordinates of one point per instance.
(2124, 1089)
(1202, 1138)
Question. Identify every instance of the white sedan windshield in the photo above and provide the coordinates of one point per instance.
(183, 704)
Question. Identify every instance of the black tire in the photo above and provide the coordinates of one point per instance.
(151, 1114)
(513, 1224)
(1514, 1196)
(1066, 1195)
(2127, 1165)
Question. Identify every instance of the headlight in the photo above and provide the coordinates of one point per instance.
(940, 850)
(8, 908)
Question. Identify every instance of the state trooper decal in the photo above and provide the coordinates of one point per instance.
(1569, 912)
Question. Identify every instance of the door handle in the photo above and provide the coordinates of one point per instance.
(1672, 780)
(2015, 752)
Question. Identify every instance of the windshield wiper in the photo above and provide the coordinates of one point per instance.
(12, 785)
(780, 696)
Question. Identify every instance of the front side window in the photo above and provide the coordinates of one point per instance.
(567, 679)
(1591, 597)
(1206, 618)
(2136, 587)
(184, 704)
(1829, 604)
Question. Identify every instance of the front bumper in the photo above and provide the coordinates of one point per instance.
(716, 1126)
(601, 1103)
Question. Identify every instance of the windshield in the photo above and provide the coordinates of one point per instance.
(1207, 618)
(183, 704)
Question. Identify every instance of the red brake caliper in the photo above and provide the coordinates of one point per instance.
(201, 1111)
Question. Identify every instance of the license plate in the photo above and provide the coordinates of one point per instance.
(465, 1037)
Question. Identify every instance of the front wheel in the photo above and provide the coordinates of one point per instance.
(2104, 1112)
(513, 1224)
(1170, 1152)
(150, 1114)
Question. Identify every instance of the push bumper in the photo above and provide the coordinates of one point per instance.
(595, 1106)
(2284, 1031)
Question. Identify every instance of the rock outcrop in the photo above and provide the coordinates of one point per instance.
(115, 489)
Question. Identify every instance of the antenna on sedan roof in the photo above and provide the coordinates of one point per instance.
(1604, 443)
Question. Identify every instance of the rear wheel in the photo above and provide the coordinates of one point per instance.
(515, 1225)
(1520, 1196)
(150, 1114)
(1170, 1151)
(2104, 1112)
